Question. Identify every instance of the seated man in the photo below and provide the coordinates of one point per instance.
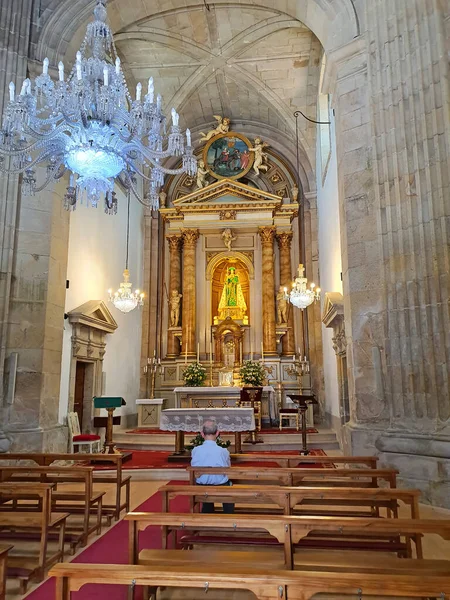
(209, 454)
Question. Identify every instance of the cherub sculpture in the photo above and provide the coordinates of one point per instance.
(282, 306)
(174, 302)
(162, 199)
(260, 156)
(228, 238)
(201, 174)
(222, 127)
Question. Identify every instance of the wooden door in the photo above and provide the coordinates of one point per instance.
(80, 377)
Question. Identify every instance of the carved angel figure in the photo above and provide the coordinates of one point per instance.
(222, 127)
(260, 156)
(228, 238)
(282, 307)
(201, 174)
(174, 303)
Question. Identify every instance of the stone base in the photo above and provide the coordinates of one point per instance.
(423, 461)
(54, 439)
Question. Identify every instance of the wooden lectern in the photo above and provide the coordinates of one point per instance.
(110, 403)
(303, 401)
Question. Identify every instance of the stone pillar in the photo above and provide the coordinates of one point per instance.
(267, 235)
(175, 245)
(284, 240)
(190, 237)
(15, 20)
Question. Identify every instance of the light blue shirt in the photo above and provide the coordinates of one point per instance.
(209, 454)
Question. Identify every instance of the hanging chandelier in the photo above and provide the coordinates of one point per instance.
(90, 125)
(124, 299)
(300, 295)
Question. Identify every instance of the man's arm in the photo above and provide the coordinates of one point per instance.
(226, 458)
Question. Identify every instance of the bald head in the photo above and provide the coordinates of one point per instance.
(209, 428)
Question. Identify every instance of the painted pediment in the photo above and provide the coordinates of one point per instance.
(226, 192)
(95, 314)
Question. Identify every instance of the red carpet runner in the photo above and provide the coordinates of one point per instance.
(112, 548)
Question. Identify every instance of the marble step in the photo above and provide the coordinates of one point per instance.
(325, 439)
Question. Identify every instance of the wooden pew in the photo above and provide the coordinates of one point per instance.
(266, 584)
(286, 460)
(4, 549)
(42, 521)
(114, 476)
(298, 500)
(74, 502)
(295, 476)
(288, 531)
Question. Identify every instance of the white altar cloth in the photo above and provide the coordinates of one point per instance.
(229, 419)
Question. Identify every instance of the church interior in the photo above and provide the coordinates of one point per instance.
(234, 213)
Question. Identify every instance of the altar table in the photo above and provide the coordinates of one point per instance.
(223, 396)
(229, 419)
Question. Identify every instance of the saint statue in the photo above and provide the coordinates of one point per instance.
(232, 302)
(174, 302)
(282, 307)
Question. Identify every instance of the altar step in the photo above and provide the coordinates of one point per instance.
(324, 439)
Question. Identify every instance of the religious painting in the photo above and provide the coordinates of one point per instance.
(228, 156)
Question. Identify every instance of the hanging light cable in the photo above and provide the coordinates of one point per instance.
(124, 299)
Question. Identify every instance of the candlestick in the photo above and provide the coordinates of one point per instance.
(210, 352)
(198, 351)
(262, 350)
(185, 346)
(251, 349)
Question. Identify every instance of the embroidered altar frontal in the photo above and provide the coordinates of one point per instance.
(192, 419)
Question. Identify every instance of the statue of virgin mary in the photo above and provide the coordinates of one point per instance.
(232, 302)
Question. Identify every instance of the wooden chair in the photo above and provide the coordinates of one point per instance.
(251, 397)
(79, 439)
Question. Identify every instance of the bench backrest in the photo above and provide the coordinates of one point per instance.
(287, 475)
(265, 584)
(50, 474)
(21, 490)
(293, 460)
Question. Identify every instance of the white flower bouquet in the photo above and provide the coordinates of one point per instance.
(194, 375)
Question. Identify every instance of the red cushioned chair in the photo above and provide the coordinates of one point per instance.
(81, 439)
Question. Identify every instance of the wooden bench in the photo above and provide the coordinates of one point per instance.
(266, 584)
(285, 460)
(294, 476)
(43, 522)
(298, 500)
(82, 502)
(114, 476)
(288, 531)
(4, 549)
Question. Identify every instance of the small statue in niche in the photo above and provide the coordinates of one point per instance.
(228, 238)
(162, 199)
(201, 174)
(282, 306)
(294, 193)
(260, 156)
(223, 126)
(174, 302)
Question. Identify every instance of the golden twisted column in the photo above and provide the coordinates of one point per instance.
(190, 237)
(267, 235)
(284, 240)
(175, 245)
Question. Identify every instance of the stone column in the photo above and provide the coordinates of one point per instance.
(267, 235)
(284, 240)
(190, 237)
(175, 245)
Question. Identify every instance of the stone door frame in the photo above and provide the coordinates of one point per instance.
(90, 323)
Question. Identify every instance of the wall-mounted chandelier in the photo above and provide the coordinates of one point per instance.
(301, 295)
(124, 299)
(90, 125)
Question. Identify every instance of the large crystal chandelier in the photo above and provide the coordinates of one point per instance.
(301, 295)
(124, 299)
(89, 124)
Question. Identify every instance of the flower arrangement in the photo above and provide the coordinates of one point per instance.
(194, 375)
(198, 441)
(252, 373)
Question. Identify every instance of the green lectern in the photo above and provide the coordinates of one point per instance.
(110, 403)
